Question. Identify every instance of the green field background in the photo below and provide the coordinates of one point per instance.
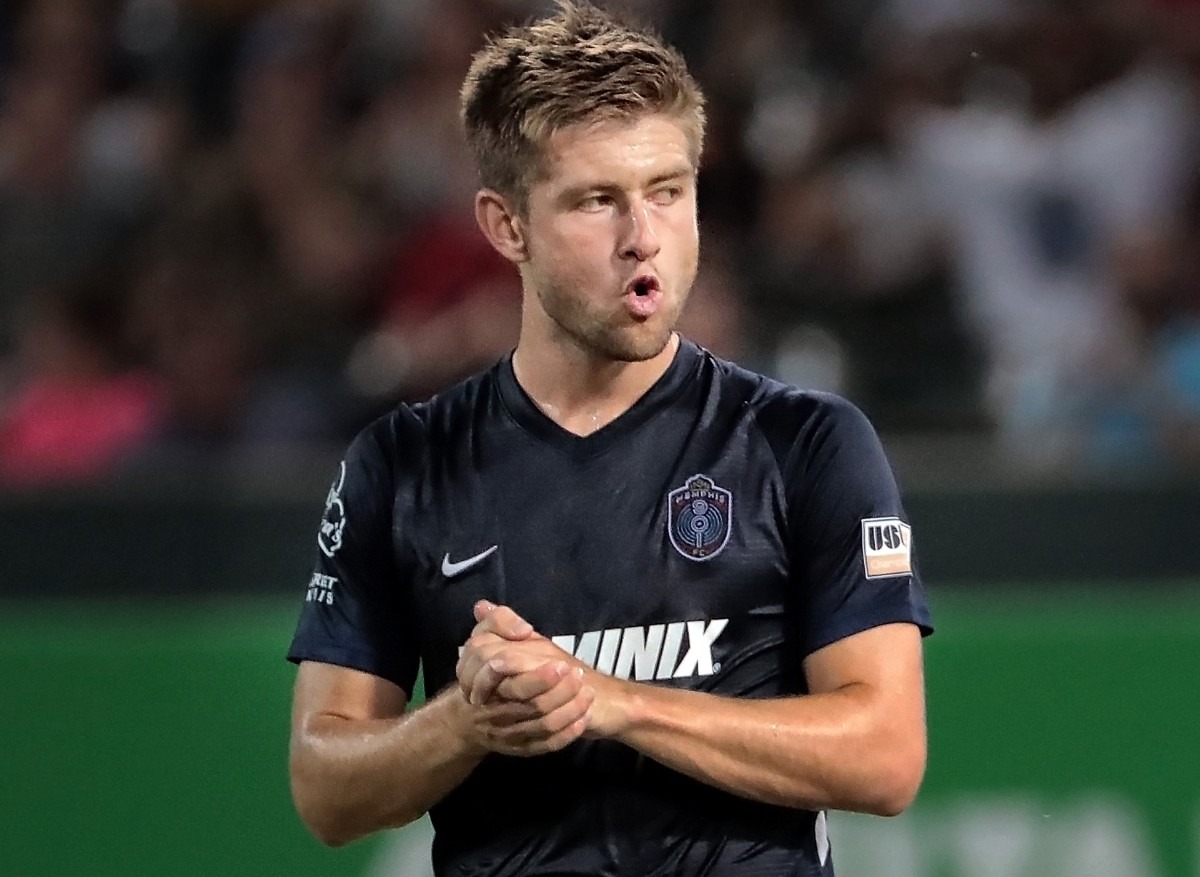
(143, 740)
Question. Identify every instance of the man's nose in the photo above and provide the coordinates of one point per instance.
(641, 240)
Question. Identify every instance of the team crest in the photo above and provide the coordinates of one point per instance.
(699, 516)
(333, 522)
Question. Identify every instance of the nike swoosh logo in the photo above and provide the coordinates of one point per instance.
(450, 568)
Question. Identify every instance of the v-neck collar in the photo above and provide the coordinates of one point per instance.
(538, 424)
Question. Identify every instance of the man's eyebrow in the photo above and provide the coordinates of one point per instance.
(667, 176)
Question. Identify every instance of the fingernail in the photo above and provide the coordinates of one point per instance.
(579, 672)
(561, 669)
(524, 628)
(496, 664)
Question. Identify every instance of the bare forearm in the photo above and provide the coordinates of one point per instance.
(353, 776)
(831, 750)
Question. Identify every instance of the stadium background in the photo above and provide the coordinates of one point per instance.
(232, 231)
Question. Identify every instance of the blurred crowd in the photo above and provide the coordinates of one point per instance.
(243, 227)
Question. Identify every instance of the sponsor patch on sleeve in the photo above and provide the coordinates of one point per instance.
(887, 547)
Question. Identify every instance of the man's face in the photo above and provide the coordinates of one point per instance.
(611, 236)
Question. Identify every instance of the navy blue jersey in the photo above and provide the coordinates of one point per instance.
(711, 537)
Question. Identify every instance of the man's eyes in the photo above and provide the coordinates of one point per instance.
(595, 202)
(667, 195)
(663, 197)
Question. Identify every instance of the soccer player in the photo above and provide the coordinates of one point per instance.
(665, 608)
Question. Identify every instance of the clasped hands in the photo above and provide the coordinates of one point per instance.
(526, 695)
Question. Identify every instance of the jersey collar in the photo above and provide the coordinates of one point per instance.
(533, 420)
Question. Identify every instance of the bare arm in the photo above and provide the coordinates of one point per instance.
(856, 742)
(359, 762)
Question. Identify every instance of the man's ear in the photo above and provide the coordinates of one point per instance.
(501, 225)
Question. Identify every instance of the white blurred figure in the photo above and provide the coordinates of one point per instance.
(1039, 175)
(405, 852)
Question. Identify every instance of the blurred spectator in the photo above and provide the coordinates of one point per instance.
(77, 410)
(1067, 138)
(453, 306)
(206, 312)
(450, 305)
(1133, 408)
(49, 221)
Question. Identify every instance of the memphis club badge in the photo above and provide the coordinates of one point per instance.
(699, 518)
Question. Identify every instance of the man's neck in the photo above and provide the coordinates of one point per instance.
(583, 393)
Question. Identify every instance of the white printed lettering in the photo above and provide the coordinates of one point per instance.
(589, 644)
(320, 589)
(608, 651)
(646, 653)
(699, 660)
(666, 664)
(640, 648)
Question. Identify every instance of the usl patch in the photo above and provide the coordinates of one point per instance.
(699, 518)
(333, 522)
(887, 547)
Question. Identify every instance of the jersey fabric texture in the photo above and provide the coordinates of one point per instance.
(709, 538)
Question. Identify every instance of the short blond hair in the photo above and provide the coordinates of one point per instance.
(580, 65)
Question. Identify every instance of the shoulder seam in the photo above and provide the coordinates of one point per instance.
(780, 465)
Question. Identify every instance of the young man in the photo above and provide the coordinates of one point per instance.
(665, 608)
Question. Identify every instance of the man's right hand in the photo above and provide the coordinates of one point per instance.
(525, 697)
(535, 712)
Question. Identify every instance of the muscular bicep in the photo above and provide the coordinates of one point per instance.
(876, 680)
(327, 690)
(349, 760)
(884, 662)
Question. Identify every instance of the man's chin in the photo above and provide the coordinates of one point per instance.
(639, 347)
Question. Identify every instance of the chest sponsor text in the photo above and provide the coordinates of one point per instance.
(675, 650)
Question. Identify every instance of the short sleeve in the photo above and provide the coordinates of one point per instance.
(852, 545)
(355, 607)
